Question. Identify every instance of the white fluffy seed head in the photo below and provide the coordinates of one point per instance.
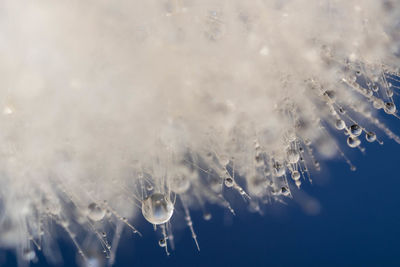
(106, 104)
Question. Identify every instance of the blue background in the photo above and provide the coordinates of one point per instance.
(358, 225)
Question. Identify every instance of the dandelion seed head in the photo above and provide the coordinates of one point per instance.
(116, 109)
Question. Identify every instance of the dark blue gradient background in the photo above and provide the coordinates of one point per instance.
(359, 224)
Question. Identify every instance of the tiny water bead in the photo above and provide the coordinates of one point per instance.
(340, 124)
(295, 175)
(355, 130)
(390, 108)
(285, 191)
(207, 216)
(157, 208)
(370, 137)
(228, 182)
(353, 141)
(162, 242)
(95, 212)
(378, 103)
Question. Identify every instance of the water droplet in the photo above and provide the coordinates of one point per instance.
(207, 216)
(353, 141)
(375, 88)
(285, 191)
(228, 182)
(162, 242)
(149, 187)
(370, 136)
(340, 124)
(378, 103)
(355, 130)
(157, 208)
(95, 212)
(295, 175)
(390, 108)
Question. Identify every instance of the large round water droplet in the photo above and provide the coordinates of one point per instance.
(95, 213)
(355, 130)
(157, 208)
(353, 141)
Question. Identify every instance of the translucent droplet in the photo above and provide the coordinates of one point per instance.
(355, 130)
(370, 136)
(295, 175)
(353, 141)
(95, 213)
(293, 156)
(162, 242)
(375, 88)
(285, 191)
(157, 208)
(390, 108)
(378, 103)
(298, 183)
(340, 124)
(149, 187)
(207, 216)
(228, 182)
